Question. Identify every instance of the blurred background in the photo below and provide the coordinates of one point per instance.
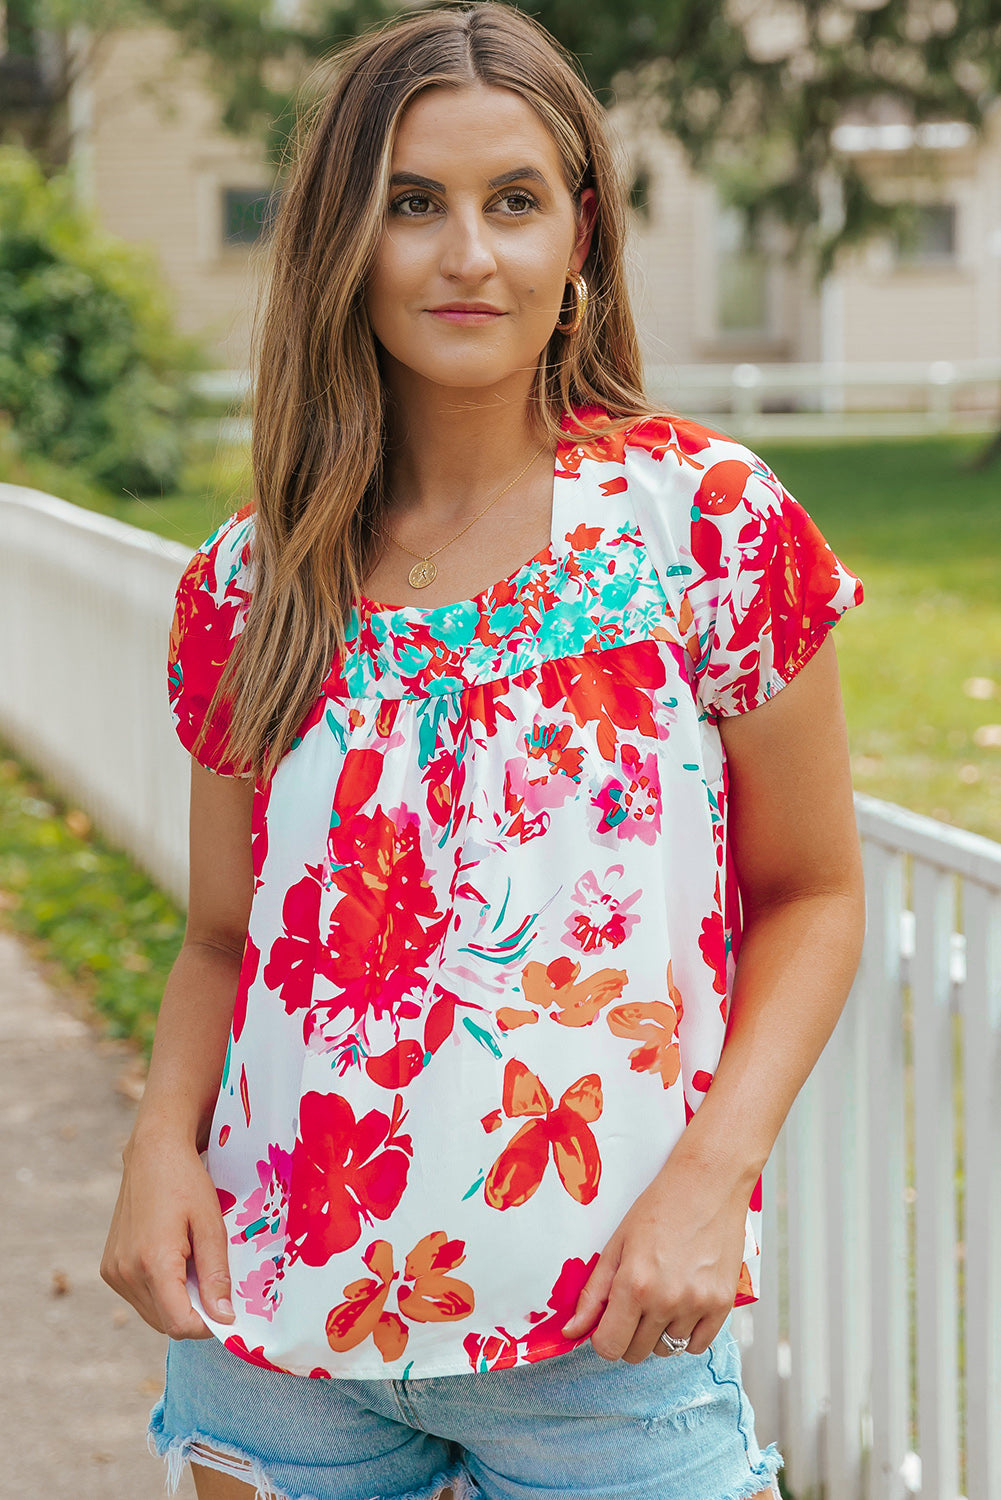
(815, 261)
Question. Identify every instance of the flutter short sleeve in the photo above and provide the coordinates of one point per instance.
(765, 586)
(210, 610)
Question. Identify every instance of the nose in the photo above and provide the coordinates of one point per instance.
(467, 254)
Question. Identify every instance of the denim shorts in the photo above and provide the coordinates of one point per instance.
(675, 1427)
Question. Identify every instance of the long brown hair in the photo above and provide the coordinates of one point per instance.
(319, 403)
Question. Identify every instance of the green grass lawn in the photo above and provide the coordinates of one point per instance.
(924, 534)
(922, 531)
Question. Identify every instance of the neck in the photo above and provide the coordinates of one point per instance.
(449, 449)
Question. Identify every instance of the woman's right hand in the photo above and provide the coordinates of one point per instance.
(167, 1214)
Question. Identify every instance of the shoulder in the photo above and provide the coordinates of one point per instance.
(213, 594)
(681, 464)
(221, 566)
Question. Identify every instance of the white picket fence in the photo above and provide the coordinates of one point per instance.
(883, 1308)
(85, 610)
(890, 398)
(873, 1358)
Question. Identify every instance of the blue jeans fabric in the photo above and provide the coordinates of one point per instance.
(669, 1428)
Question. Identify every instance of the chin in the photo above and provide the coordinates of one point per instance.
(465, 374)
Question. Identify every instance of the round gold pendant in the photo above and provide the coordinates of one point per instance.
(423, 573)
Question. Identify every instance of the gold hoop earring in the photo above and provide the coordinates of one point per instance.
(576, 280)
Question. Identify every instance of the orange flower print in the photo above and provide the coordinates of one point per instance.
(433, 1296)
(654, 1025)
(521, 1166)
(576, 1004)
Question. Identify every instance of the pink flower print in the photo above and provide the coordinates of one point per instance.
(601, 915)
(263, 1215)
(261, 1292)
(629, 802)
(548, 789)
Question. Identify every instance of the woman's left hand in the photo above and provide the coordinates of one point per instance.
(672, 1265)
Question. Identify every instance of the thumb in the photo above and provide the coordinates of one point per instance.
(593, 1296)
(209, 1250)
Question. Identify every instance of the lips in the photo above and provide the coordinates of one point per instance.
(467, 314)
(467, 308)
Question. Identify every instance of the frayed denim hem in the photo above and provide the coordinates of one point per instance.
(178, 1451)
(761, 1477)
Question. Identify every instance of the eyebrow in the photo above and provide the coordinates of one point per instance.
(520, 174)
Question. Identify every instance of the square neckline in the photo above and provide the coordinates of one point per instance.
(545, 557)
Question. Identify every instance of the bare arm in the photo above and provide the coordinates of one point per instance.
(167, 1209)
(796, 852)
(674, 1261)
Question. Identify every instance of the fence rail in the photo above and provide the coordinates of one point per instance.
(860, 399)
(875, 1351)
(874, 1355)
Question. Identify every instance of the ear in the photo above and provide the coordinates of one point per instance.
(586, 216)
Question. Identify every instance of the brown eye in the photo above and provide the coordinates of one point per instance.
(522, 203)
(396, 206)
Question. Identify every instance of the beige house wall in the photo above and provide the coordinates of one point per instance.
(153, 161)
(948, 311)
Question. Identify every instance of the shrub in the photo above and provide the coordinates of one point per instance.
(92, 373)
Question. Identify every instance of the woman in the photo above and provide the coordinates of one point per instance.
(500, 692)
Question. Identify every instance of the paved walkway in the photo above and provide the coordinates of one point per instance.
(80, 1368)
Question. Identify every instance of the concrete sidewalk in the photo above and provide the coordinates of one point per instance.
(80, 1368)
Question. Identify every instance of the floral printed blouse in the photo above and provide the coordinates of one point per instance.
(489, 958)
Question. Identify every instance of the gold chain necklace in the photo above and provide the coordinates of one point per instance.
(425, 572)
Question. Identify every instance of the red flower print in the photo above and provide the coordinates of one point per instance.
(605, 692)
(662, 435)
(712, 943)
(584, 537)
(292, 964)
(577, 1004)
(722, 487)
(401, 1064)
(236, 1345)
(500, 1350)
(202, 634)
(344, 1171)
(433, 1297)
(386, 927)
(518, 1171)
(248, 973)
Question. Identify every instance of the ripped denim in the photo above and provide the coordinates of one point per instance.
(675, 1428)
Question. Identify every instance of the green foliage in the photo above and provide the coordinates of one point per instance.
(91, 372)
(101, 919)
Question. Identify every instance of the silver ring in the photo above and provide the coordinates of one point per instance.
(676, 1346)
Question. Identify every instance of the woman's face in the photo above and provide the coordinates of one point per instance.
(480, 234)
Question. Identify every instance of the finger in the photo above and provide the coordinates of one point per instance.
(168, 1291)
(209, 1247)
(649, 1339)
(617, 1326)
(705, 1332)
(591, 1302)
